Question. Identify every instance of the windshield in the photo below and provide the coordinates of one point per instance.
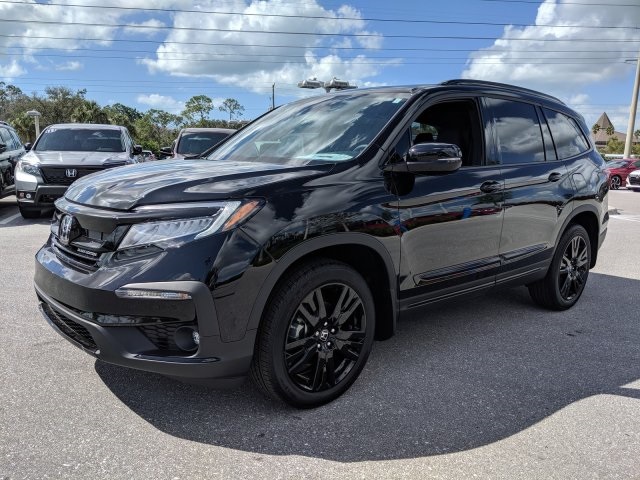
(617, 164)
(198, 142)
(80, 140)
(332, 128)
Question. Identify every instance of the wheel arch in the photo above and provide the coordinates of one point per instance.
(363, 253)
(586, 216)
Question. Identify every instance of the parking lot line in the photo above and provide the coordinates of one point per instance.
(9, 219)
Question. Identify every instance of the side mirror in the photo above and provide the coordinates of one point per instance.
(430, 158)
(3, 147)
(27, 146)
(166, 151)
(137, 150)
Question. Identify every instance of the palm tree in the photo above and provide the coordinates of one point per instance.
(595, 129)
(89, 112)
(610, 131)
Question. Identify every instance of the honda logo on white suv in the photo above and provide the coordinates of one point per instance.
(71, 173)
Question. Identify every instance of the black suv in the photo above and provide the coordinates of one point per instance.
(304, 235)
(11, 150)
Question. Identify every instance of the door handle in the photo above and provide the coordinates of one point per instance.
(555, 176)
(491, 186)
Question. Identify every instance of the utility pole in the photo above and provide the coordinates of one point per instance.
(632, 111)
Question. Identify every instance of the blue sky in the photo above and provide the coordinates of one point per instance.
(160, 57)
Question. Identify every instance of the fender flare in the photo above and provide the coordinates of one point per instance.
(312, 245)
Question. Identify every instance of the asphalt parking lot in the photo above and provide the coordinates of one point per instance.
(491, 387)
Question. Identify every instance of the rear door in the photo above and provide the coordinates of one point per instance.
(538, 187)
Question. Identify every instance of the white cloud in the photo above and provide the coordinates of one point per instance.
(11, 70)
(520, 56)
(256, 67)
(162, 102)
(68, 66)
(148, 27)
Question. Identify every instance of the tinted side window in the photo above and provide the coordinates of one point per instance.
(549, 150)
(566, 134)
(636, 164)
(16, 140)
(517, 131)
(6, 139)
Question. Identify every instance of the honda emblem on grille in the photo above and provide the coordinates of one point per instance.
(67, 229)
(71, 173)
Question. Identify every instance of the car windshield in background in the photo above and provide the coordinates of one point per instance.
(616, 164)
(80, 140)
(191, 143)
(333, 128)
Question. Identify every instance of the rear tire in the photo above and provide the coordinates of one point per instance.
(28, 213)
(316, 334)
(567, 276)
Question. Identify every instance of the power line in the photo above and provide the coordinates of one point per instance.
(543, 61)
(313, 17)
(493, 50)
(321, 34)
(263, 55)
(569, 3)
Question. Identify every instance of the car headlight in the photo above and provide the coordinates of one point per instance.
(28, 168)
(173, 233)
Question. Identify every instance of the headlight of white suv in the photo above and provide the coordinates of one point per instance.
(173, 233)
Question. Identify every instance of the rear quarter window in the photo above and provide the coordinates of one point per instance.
(567, 136)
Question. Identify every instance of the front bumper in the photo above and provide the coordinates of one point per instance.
(71, 309)
(41, 195)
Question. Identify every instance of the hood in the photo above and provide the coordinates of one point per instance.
(75, 158)
(170, 181)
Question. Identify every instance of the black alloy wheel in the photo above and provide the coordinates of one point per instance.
(615, 182)
(574, 269)
(567, 276)
(326, 337)
(316, 334)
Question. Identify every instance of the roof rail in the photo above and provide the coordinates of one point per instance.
(504, 86)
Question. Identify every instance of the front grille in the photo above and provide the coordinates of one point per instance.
(163, 335)
(76, 259)
(70, 328)
(58, 175)
(634, 180)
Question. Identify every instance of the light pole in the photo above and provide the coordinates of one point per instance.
(632, 110)
(36, 117)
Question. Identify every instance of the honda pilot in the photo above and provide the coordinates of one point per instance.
(301, 239)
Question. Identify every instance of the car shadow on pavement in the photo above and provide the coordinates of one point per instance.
(455, 377)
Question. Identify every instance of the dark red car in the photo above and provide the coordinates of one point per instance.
(619, 169)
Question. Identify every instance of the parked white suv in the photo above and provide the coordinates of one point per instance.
(62, 154)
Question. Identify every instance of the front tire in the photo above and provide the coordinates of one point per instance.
(561, 288)
(28, 213)
(316, 334)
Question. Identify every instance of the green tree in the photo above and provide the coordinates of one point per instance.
(197, 109)
(595, 129)
(89, 112)
(232, 107)
(614, 146)
(610, 131)
(636, 134)
(119, 114)
(25, 126)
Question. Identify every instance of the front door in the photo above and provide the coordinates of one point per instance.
(450, 223)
